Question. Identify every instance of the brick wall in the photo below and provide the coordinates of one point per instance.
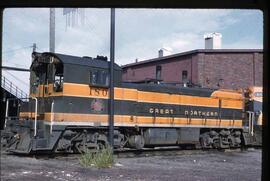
(230, 70)
(258, 62)
(209, 69)
(171, 70)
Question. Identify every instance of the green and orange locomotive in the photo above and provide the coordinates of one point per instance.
(67, 111)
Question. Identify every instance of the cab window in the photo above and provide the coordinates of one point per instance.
(99, 77)
(58, 78)
(35, 84)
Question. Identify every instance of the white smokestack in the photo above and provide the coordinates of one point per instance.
(213, 41)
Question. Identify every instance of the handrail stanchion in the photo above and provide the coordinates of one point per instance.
(4, 80)
(7, 104)
(252, 124)
(35, 131)
(10, 87)
(249, 122)
(52, 116)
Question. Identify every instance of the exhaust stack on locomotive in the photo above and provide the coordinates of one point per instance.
(68, 111)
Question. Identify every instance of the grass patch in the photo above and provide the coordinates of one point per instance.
(100, 159)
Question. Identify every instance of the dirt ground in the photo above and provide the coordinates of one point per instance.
(203, 166)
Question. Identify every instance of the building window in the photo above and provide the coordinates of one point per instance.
(184, 76)
(158, 72)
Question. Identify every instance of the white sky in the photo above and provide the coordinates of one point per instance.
(140, 33)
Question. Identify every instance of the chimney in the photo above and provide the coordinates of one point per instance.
(213, 41)
(165, 51)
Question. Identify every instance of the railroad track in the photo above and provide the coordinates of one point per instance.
(170, 151)
(146, 152)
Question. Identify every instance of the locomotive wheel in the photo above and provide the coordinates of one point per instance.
(217, 143)
(101, 145)
(204, 141)
(203, 144)
(136, 141)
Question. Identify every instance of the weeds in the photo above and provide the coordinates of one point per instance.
(100, 159)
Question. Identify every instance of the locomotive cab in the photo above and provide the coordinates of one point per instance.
(50, 72)
(56, 80)
(47, 75)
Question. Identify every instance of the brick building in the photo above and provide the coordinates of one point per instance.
(212, 68)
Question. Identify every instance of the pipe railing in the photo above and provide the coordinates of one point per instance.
(36, 109)
(52, 116)
(251, 122)
(6, 116)
(35, 131)
(13, 89)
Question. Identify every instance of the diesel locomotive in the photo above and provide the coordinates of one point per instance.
(67, 111)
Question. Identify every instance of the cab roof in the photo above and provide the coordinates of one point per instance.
(98, 62)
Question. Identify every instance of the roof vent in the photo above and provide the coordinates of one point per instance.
(87, 57)
(104, 58)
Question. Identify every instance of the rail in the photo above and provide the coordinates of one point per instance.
(11, 88)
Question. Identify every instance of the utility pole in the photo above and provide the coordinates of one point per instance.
(52, 30)
(34, 47)
(111, 111)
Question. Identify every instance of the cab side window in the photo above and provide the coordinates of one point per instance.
(58, 78)
(58, 83)
(99, 77)
(35, 84)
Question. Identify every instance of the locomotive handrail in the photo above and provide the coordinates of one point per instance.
(11, 88)
(35, 130)
(251, 122)
(52, 116)
(7, 108)
(6, 115)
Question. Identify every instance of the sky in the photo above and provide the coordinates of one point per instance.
(139, 33)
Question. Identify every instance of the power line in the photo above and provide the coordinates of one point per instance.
(16, 64)
(18, 79)
(22, 81)
(15, 68)
(42, 49)
(8, 51)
